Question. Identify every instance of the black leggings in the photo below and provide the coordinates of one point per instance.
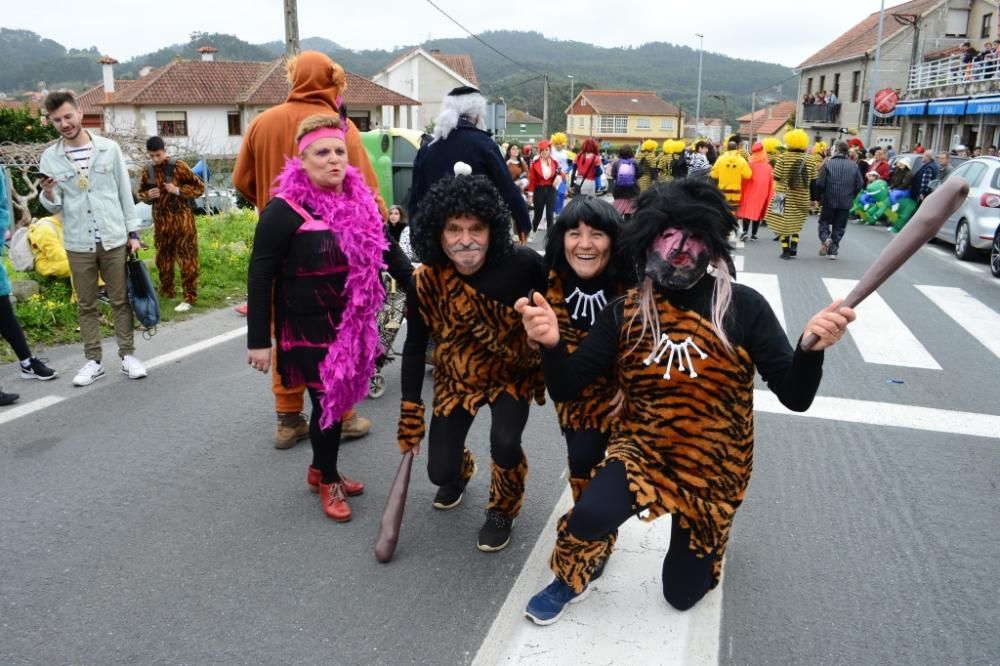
(607, 503)
(11, 331)
(446, 441)
(756, 226)
(544, 196)
(325, 443)
(585, 448)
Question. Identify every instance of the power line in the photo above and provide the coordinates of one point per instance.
(481, 41)
(508, 86)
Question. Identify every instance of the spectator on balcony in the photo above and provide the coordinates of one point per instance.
(821, 97)
(991, 59)
(808, 99)
(968, 60)
(832, 106)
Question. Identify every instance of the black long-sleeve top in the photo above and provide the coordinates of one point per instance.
(504, 281)
(269, 272)
(793, 376)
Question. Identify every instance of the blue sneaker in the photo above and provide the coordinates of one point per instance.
(548, 605)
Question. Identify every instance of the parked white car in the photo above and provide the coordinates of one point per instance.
(973, 227)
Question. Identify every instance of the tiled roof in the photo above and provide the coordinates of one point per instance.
(862, 37)
(629, 102)
(88, 100)
(33, 107)
(516, 116)
(224, 83)
(782, 109)
(461, 64)
(769, 126)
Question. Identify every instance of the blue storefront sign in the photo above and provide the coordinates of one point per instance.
(946, 107)
(984, 105)
(911, 108)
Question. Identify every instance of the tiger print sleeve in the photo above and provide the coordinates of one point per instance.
(566, 375)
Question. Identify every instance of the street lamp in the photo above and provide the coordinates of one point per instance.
(697, 113)
(725, 114)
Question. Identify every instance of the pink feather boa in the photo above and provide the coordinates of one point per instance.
(353, 218)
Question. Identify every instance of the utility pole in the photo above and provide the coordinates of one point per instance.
(871, 90)
(753, 111)
(697, 112)
(545, 105)
(291, 29)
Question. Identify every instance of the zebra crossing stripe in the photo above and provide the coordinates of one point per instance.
(879, 334)
(767, 285)
(738, 262)
(969, 313)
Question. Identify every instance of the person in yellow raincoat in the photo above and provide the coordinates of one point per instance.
(731, 169)
(45, 235)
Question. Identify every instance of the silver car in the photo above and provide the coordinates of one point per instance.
(973, 227)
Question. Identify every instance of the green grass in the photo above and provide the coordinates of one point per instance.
(49, 317)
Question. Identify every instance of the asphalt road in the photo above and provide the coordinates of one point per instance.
(152, 521)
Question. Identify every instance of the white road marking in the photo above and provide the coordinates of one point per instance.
(889, 414)
(738, 262)
(624, 620)
(879, 334)
(767, 285)
(974, 316)
(196, 347)
(11, 413)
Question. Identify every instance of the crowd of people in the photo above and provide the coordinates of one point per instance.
(631, 320)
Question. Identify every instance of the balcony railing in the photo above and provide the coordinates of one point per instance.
(821, 113)
(951, 71)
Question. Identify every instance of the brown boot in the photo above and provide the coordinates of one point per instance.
(292, 427)
(355, 427)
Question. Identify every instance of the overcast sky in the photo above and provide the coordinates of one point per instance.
(751, 30)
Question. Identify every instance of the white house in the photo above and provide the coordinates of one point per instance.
(426, 76)
(203, 107)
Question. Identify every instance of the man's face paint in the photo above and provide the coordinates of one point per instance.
(677, 260)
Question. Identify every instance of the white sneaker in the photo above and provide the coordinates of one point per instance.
(89, 374)
(183, 306)
(531, 237)
(133, 367)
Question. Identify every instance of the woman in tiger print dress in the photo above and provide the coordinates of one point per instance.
(685, 346)
(463, 298)
(794, 172)
(582, 281)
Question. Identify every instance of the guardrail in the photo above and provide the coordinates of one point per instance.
(949, 71)
(821, 113)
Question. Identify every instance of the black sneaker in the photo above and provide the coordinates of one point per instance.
(449, 495)
(38, 370)
(8, 398)
(495, 533)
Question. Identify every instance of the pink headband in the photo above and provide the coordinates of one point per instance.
(321, 133)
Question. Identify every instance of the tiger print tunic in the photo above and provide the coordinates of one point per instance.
(794, 171)
(592, 410)
(481, 349)
(686, 434)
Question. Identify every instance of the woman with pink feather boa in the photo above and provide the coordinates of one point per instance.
(318, 250)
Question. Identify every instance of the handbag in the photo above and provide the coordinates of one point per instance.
(142, 294)
(778, 203)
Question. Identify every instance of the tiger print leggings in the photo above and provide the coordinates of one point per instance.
(176, 239)
(446, 458)
(586, 532)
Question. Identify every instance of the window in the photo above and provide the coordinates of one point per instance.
(235, 123)
(836, 84)
(579, 122)
(614, 124)
(642, 123)
(809, 86)
(822, 82)
(171, 123)
(984, 32)
(855, 85)
(667, 124)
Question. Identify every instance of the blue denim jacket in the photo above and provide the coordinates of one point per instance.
(107, 201)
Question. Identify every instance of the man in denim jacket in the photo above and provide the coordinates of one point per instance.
(87, 182)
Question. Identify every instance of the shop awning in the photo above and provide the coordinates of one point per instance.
(946, 107)
(983, 105)
(911, 108)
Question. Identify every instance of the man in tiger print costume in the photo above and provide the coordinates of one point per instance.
(169, 186)
(462, 298)
(685, 346)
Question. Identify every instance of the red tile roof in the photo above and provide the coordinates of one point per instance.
(769, 119)
(223, 83)
(461, 64)
(89, 100)
(629, 102)
(862, 38)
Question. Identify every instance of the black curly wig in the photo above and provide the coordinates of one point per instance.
(472, 196)
(595, 213)
(692, 204)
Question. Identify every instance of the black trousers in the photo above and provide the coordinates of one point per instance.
(446, 439)
(607, 503)
(10, 329)
(832, 225)
(585, 448)
(544, 197)
(325, 443)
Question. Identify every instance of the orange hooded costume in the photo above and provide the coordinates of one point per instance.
(317, 84)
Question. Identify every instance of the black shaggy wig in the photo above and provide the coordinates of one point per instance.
(691, 204)
(470, 196)
(595, 213)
